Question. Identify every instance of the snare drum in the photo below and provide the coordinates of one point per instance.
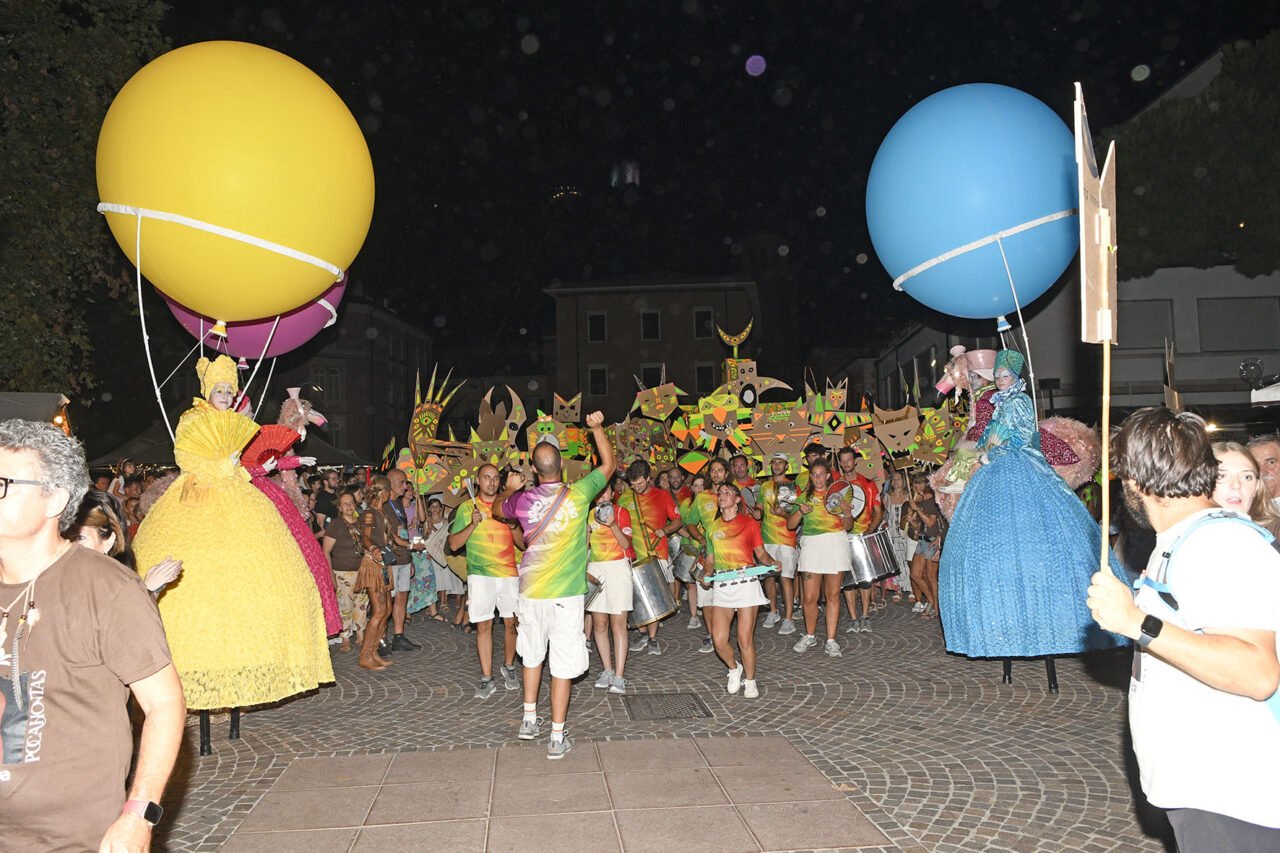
(873, 560)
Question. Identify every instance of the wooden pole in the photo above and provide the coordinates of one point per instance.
(1106, 455)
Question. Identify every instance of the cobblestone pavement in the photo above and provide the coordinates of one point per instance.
(931, 747)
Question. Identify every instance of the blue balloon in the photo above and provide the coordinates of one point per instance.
(962, 165)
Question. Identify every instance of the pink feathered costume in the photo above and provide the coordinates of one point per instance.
(302, 534)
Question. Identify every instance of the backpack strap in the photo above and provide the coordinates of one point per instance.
(1162, 588)
(542, 525)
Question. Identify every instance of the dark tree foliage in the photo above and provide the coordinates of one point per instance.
(1197, 177)
(59, 268)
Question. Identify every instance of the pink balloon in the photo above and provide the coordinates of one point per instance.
(247, 338)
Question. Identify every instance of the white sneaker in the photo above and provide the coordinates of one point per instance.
(735, 680)
(694, 622)
(833, 649)
(805, 643)
(772, 619)
(605, 679)
(749, 689)
(788, 627)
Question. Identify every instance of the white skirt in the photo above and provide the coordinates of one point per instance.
(732, 596)
(447, 581)
(825, 554)
(617, 589)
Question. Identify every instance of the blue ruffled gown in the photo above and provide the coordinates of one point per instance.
(1016, 564)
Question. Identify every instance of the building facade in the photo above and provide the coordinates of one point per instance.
(609, 333)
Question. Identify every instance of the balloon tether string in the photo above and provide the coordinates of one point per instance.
(1031, 370)
(146, 339)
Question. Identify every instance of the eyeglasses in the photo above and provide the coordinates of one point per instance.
(5, 482)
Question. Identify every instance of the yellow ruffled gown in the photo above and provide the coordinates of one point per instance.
(244, 620)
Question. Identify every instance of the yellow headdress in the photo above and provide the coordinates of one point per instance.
(213, 373)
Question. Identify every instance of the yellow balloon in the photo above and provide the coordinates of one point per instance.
(250, 142)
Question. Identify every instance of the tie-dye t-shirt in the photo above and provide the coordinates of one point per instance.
(555, 564)
(733, 542)
(819, 520)
(603, 545)
(773, 528)
(703, 506)
(491, 550)
(653, 509)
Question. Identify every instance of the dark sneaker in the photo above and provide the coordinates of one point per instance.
(401, 643)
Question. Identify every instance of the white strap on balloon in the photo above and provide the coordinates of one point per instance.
(142, 212)
(146, 340)
(145, 213)
(978, 244)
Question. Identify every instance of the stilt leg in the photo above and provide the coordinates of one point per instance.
(234, 733)
(1008, 671)
(205, 747)
(1051, 670)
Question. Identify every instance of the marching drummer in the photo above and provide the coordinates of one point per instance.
(867, 520)
(654, 511)
(824, 556)
(779, 541)
(608, 564)
(734, 542)
(701, 508)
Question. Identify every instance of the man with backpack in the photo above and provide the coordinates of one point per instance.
(1203, 708)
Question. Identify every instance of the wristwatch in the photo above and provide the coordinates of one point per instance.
(148, 811)
(1151, 627)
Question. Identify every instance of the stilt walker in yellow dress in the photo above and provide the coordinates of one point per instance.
(244, 622)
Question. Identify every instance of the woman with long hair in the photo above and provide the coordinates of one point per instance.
(734, 542)
(894, 499)
(1239, 487)
(98, 528)
(608, 564)
(824, 554)
(923, 519)
(343, 550)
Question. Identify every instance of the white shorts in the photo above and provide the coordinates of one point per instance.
(487, 594)
(401, 576)
(825, 554)
(554, 623)
(785, 554)
(733, 596)
(615, 595)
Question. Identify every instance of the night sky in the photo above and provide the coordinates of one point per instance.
(478, 113)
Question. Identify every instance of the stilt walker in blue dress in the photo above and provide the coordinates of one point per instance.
(1021, 547)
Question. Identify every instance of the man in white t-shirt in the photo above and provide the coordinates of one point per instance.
(1266, 449)
(1205, 619)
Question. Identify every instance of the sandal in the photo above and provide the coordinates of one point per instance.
(437, 618)
(897, 597)
(468, 628)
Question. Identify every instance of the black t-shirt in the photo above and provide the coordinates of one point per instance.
(326, 505)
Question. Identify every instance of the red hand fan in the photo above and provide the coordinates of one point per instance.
(271, 442)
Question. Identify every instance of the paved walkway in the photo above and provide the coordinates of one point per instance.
(917, 749)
